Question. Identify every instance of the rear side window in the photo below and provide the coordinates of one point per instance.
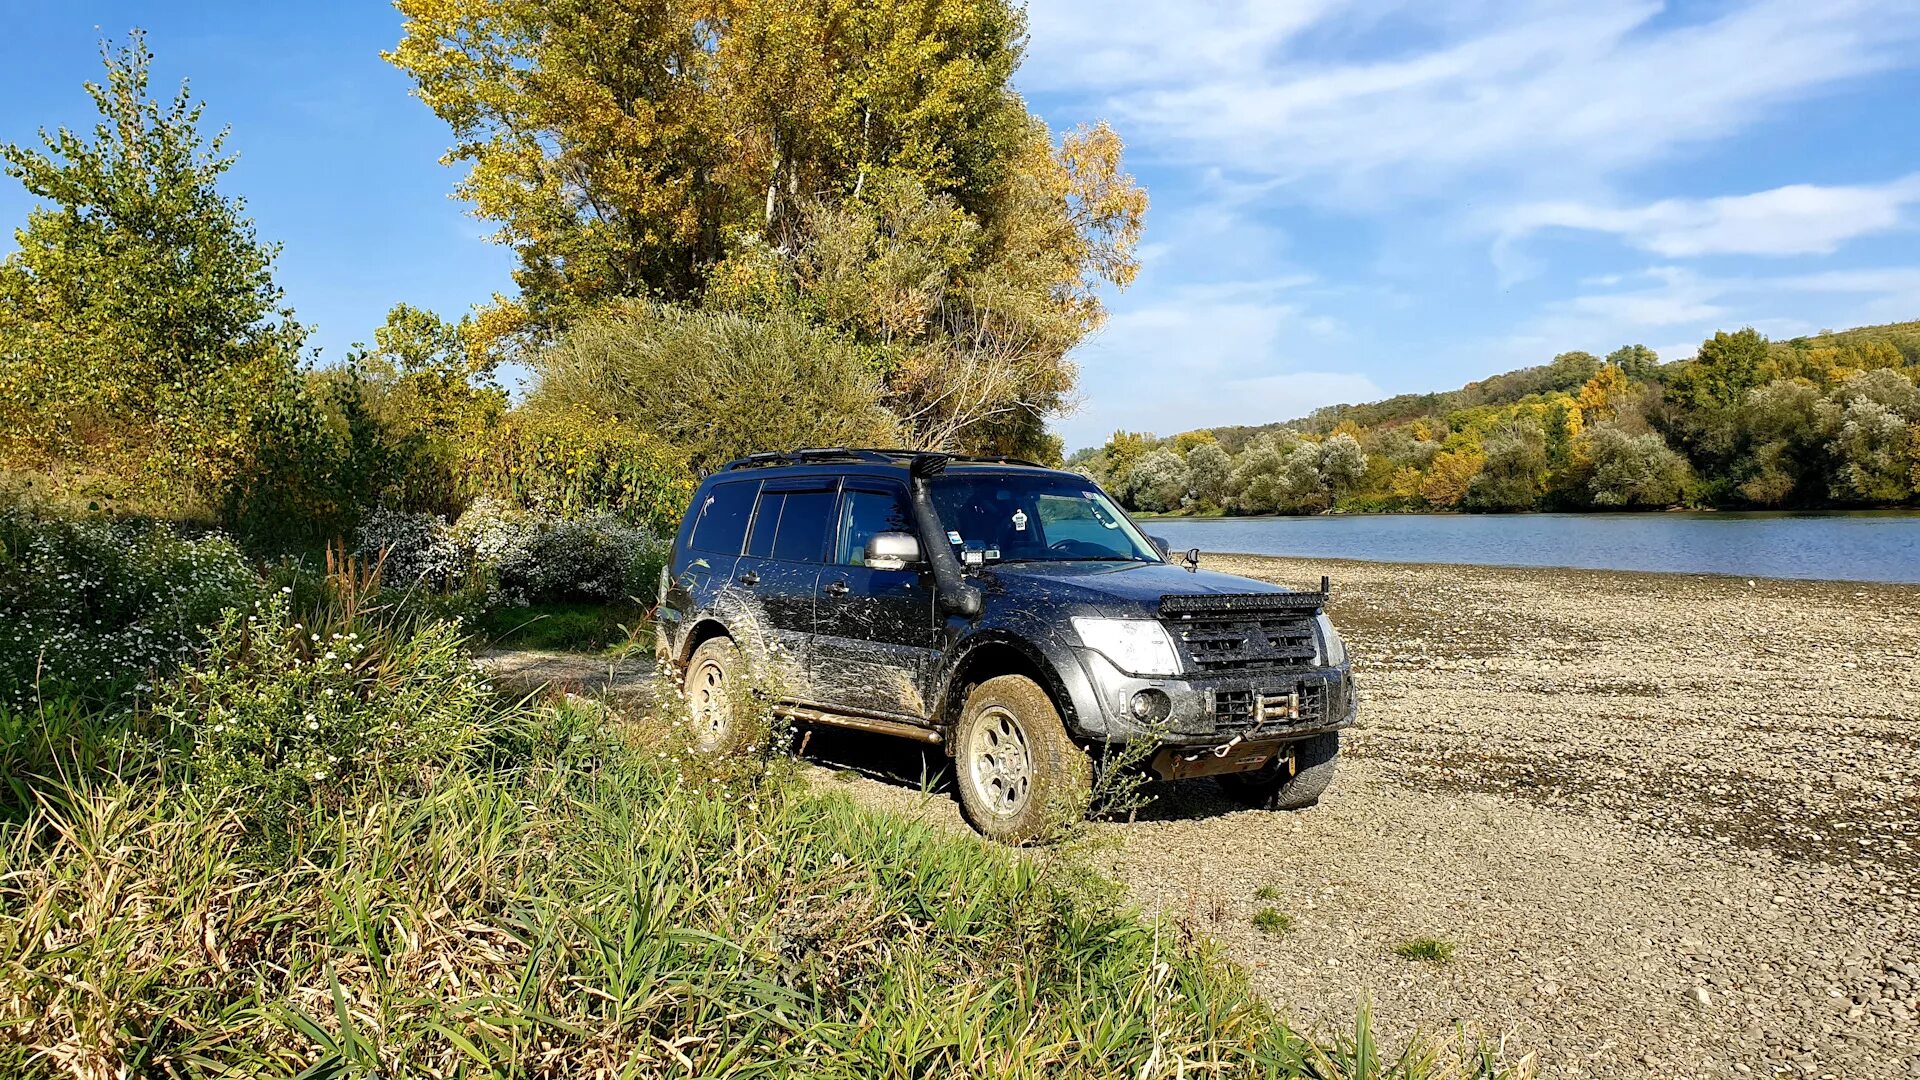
(802, 533)
(722, 525)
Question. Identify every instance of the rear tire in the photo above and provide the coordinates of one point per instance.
(1291, 782)
(714, 688)
(1020, 775)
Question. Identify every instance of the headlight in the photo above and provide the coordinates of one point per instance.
(1136, 646)
(1333, 651)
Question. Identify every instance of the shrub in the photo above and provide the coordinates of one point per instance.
(95, 608)
(412, 549)
(538, 558)
(282, 717)
(564, 463)
(716, 385)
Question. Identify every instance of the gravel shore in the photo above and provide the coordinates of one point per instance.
(1670, 823)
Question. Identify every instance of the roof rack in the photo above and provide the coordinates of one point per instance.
(822, 454)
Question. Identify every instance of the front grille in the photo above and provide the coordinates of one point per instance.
(1244, 641)
(1303, 704)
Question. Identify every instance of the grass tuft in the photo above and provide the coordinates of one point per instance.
(1272, 921)
(1430, 950)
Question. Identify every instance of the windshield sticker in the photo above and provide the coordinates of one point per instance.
(1019, 521)
(953, 537)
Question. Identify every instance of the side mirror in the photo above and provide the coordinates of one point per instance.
(893, 550)
(1193, 558)
(1160, 545)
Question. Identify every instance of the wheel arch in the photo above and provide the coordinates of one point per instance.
(990, 655)
(702, 631)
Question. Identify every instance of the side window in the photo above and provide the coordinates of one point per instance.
(802, 533)
(722, 524)
(864, 513)
(760, 544)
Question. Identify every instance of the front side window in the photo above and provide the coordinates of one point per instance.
(1036, 517)
(864, 514)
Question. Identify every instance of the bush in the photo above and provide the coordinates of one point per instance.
(411, 549)
(282, 717)
(716, 385)
(564, 463)
(515, 556)
(94, 608)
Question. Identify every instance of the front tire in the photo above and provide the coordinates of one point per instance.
(714, 687)
(1020, 775)
(1291, 782)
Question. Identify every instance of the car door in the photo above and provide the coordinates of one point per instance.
(779, 574)
(875, 631)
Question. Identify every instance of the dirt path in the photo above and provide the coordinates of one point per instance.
(1671, 824)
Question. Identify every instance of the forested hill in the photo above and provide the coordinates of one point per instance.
(1827, 420)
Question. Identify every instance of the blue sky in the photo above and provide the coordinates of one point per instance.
(1349, 200)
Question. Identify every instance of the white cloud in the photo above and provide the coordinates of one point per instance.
(1528, 91)
(1677, 303)
(1204, 355)
(1798, 219)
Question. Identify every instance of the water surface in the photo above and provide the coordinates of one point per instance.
(1869, 546)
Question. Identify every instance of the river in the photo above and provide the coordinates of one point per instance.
(1867, 546)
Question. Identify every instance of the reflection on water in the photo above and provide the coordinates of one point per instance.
(1873, 546)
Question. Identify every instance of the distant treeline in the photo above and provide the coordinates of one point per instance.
(1826, 421)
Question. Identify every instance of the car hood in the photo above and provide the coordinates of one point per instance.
(1137, 586)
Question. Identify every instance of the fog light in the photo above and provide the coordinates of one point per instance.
(1151, 706)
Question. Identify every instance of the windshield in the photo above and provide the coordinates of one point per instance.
(1012, 517)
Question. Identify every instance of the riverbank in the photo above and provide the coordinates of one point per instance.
(1667, 822)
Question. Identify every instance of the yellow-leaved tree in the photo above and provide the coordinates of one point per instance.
(864, 167)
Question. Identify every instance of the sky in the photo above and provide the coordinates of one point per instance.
(1349, 200)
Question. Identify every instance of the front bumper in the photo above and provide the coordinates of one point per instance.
(1253, 707)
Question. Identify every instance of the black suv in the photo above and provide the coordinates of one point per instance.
(1010, 613)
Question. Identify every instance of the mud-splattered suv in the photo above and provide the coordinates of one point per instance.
(1009, 613)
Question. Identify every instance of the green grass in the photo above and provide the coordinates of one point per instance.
(1267, 892)
(1429, 950)
(564, 627)
(1272, 921)
(563, 897)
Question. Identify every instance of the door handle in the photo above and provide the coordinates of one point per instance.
(838, 588)
(748, 578)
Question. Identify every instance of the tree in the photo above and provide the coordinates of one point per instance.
(140, 326)
(1515, 473)
(1634, 470)
(1728, 365)
(1874, 448)
(1600, 398)
(1636, 362)
(1342, 466)
(1159, 481)
(868, 166)
(1451, 476)
(1209, 469)
(1787, 425)
(1873, 413)
(1118, 458)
